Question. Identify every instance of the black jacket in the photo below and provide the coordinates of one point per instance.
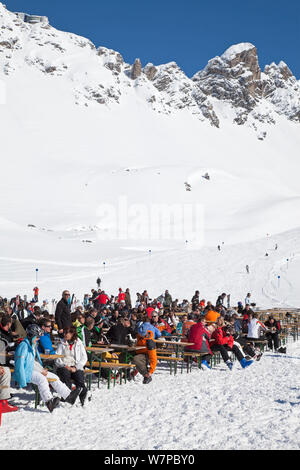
(276, 325)
(30, 320)
(117, 334)
(7, 343)
(63, 315)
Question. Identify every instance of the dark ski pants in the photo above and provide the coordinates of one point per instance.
(223, 350)
(246, 347)
(206, 358)
(68, 377)
(272, 339)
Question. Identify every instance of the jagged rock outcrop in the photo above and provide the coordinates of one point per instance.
(150, 71)
(233, 77)
(136, 70)
(231, 86)
(281, 88)
(111, 59)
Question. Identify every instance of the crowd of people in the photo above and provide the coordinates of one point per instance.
(27, 329)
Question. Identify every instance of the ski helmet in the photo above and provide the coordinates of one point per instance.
(34, 330)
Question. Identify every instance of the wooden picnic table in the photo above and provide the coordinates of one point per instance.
(49, 357)
(101, 350)
(126, 347)
(98, 347)
(178, 345)
(174, 343)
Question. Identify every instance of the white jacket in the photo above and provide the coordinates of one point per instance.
(253, 328)
(74, 357)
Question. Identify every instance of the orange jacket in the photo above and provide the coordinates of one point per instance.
(151, 353)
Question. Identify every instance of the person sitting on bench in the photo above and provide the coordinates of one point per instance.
(222, 341)
(200, 335)
(29, 369)
(70, 367)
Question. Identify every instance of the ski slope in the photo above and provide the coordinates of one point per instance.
(68, 165)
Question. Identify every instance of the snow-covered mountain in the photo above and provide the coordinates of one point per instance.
(81, 128)
(100, 76)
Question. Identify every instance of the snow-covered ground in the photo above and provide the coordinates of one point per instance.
(85, 147)
(74, 169)
(254, 408)
(177, 266)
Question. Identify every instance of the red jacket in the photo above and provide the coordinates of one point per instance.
(221, 338)
(149, 310)
(199, 335)
(121, 297)
(102, 299)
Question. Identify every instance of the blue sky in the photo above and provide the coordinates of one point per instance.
(188, 32)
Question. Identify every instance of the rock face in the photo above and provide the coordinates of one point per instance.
(236, 78)
(233, 77)
(282, 89)
(231, 87)
(136, 70)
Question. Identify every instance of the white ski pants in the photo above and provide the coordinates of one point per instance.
(43, 385)
(5, 382)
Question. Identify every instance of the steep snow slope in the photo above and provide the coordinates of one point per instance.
(80, 132)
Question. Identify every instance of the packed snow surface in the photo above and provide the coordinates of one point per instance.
(253, 408)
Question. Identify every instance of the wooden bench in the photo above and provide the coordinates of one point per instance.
(190, 356)
(262, 343)
(164, 351)
(37, 392)
(170, 360)
(111, 366)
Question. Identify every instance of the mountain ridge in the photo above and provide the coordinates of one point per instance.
(234, 80)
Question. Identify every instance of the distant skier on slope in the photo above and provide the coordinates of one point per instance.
(247, 268)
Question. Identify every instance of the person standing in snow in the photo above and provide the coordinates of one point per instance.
(274, 330)
(98, 282)
(121, 297)
(146, 359)
(247, 268)
(221, 300)
(195, 300)
(63, 313)
(36, 294)
(248, 299)
(167, 300)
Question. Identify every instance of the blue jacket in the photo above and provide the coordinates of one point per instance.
(24, 362)
(45, 343)
(142, 330)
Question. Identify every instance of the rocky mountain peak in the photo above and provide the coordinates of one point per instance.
(233, 77)
(231, 86)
